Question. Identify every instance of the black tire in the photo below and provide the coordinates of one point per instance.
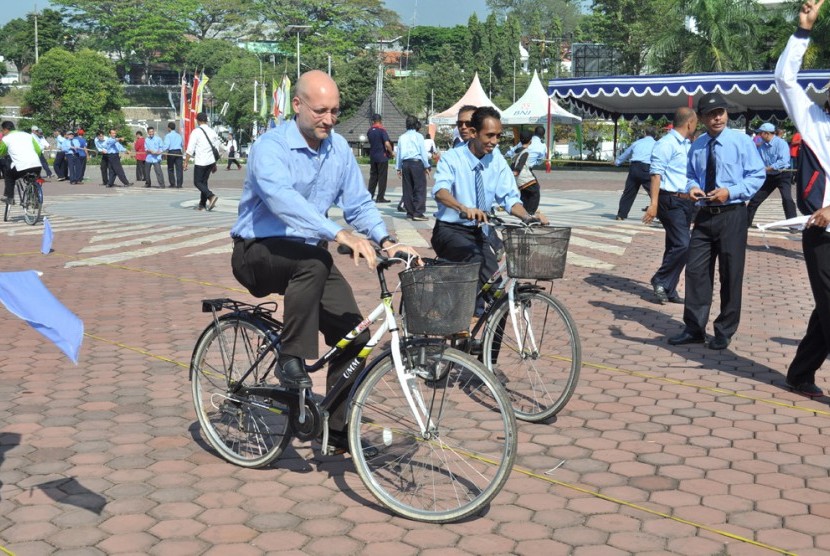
(460, 463)
(247, 431)
(541, 379)
(31, 202)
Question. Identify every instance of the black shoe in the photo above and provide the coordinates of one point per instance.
(686, 338)
(383, 201)
(400, 209)
(719, 342)
(292, 373)
(212, 202)
(805, 389)
(675, 298)
(660, 294)
(619, 218)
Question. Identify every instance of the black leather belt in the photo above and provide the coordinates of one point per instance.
(717, 209)
(672, 193)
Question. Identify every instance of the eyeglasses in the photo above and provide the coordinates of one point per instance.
(321, 112)
(463, 123)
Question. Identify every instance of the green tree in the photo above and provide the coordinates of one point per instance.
(234, 84)
(708, 36)
(554, 16)
(425, 42)
(210, 55)
(17, 38)
(70, 90)
(627, 26)
(446, 81)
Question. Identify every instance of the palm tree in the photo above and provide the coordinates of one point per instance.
(708, 36)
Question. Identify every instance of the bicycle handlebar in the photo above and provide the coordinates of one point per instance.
(383, 260)
(499, 222)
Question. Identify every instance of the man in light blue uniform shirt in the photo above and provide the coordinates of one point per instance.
(639, 174)
(113, 149)
(724, 172)
(174, 147)
(154, 147)
(670, 203)
(70, 148)
(296, 171)
(61, 165)
(413, 167)
(775, 152)
(463, 204)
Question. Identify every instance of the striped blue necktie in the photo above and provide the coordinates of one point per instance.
(481, 201)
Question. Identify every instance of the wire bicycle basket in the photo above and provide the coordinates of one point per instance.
(536, 253)
(439, 300)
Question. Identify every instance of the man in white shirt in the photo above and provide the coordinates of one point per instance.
(200, 147)
(44, 146)
(23, 151)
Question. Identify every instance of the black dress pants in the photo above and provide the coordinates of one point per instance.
(465, 244)
(105, 169)
(60, 165)
(717, 236)
(378, 172)
(783, 183)
(316, 298)
(175, 173)
(814, 348)
(201, 174)
(638, 176)
(675, 215)
(115, 170)
(414, 183)
(531, 195)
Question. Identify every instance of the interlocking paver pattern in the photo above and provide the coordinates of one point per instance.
(662, 450)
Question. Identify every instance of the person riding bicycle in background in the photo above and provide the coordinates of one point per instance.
(23, 151)
(295, 173)
(468, 181)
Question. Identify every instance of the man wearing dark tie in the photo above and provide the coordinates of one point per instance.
(724, 172)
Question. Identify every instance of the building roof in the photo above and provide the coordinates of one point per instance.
(394, 121)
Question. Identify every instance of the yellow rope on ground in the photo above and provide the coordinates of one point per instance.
(9, 552)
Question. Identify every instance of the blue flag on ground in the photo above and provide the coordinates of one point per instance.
(25, 296)
(46, 246)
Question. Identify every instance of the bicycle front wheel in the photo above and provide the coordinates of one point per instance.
(459, 462)
(246, 430)
(535, 352)
(32, 203)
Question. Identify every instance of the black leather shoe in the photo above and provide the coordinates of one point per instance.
(675, 299)
(809, 390)
(660, 294)
(719, 342)
(685, 338)
(292, 372)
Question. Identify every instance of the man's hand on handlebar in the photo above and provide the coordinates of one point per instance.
(403, 252)
(473, 214)
(360, 247)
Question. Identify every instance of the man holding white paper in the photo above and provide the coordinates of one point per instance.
(814, 125)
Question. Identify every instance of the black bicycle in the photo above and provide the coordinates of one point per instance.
(433, 428)
(30, 192)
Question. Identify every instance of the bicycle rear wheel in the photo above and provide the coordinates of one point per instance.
(32, 202)
(539, 367)
(465, 456)
(246, 430)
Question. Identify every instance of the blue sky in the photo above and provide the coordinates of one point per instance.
(426, 12)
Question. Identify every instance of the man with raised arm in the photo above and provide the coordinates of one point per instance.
(296, 172)
(813, 123)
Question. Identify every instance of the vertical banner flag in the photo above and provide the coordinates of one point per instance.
(275, 101)
(190, 120)
(183, 105)
(263, 101)
(282, 111)
(200, 98)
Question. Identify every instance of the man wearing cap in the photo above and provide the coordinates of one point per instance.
(638, 172)
(775, 153)
(724, 171)
(44, 146)
(813, 123)
(670, 203)
(380, 151)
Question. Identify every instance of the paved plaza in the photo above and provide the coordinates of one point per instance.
(662, 449)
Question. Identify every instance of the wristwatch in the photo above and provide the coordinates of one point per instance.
(391, 239)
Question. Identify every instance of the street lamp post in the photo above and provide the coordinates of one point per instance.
(297, 29)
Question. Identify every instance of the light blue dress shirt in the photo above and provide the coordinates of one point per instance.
(536, 152)
(112, 146)
(775, 154)
(101, 145)
(455, 173)
(669, 159)
(153, 143)
(81, 143)
(289, 188)
(67, 145)
(639, 151)
(411, 146)
(739, 166)
(173, 141)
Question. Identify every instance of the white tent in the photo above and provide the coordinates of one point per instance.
(475, 96)
(532, 108)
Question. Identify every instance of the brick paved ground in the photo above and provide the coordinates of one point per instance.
(662, 450)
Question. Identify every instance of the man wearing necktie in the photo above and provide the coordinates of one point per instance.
(724, 172)
(468, 181)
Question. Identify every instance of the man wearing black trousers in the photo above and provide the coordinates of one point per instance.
(775, 152)
(639, 153)
(670, 203)
(413, 167)
(724, 171)
(813, 198)
(201, 146)
(380, 151)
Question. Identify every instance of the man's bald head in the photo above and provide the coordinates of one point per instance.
(685, 121)
(317, 105)
(315, 82)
